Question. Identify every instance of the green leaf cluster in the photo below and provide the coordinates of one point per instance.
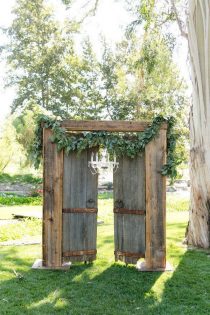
(122, 144)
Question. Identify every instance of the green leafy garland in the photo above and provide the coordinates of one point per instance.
(127, 144)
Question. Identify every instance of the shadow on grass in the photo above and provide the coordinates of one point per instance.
(96, 289)
(188, 291)
(105, 240)
(84, 289)
(9, 260)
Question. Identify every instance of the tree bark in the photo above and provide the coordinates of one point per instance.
(199, 45)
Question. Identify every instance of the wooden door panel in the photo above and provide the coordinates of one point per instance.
(129, 209)
(80, 193)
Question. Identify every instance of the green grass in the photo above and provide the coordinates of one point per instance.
(19, 178)
(177, 203)
(106, 287)
(173, 202)
(23, 229)
(14, 200)
(105, 195)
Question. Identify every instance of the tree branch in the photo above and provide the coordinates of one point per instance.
(179, 22)
(92, 7)
(92, 10)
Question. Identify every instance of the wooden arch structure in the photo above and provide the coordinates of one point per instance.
(70, 201)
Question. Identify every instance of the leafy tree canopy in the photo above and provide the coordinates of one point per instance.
(40, 57)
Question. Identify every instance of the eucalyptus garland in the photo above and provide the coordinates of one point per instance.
(122, 144)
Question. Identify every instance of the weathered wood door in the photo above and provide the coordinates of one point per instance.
(80, 193)
(129, 209)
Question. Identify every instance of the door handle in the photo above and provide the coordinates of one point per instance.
(90, 202)
(119, 204)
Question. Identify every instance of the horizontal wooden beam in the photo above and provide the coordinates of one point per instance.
(79, 253)
(80, 210)
(128, 211)
(105, 125)
(129, 254)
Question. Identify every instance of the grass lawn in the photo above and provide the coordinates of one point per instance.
(23, 229)
(106, 287)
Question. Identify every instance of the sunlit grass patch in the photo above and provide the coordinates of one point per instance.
(177, 203)
(24, 228)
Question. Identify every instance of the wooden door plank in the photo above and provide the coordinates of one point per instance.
(129, 209)
(105, 125)
(80, 210)
(79, 207)
(52, 205)
(156, 203)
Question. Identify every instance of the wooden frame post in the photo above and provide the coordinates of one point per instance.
(53, 200)
(155, 158)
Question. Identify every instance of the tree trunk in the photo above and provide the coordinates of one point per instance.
(199, 45)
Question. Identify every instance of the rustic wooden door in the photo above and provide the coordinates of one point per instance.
(80, 193)
(129, 209)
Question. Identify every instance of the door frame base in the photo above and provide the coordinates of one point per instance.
(141, 266)
(38, 264)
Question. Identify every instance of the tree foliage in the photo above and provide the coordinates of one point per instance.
(118, 99)
(161, 89)
(25, 124)
(10, 150)
(39, 58)
(91, 105)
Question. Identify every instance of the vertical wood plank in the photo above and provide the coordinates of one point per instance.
(80, 190)
(52, 204)
(155, 158)
(129, 193)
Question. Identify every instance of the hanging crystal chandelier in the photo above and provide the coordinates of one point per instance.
(102, 164)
